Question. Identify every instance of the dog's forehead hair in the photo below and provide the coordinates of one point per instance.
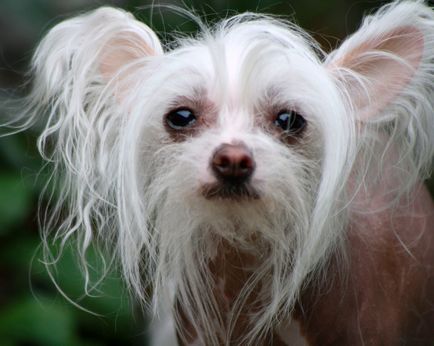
(242, 71)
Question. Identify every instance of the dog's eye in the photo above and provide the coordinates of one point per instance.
(180, 118)
(290, 122)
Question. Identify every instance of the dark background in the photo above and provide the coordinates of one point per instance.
(32, 312)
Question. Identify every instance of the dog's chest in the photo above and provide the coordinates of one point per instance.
(290, 334)
(285, 335)
(233, 271)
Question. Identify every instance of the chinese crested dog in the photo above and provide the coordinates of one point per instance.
(268, 192)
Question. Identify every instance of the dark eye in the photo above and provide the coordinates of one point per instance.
(180, 118)
(290, 122)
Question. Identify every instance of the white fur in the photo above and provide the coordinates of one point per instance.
(123, 181)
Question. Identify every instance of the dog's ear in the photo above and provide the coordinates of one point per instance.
(77, 69)
(386, 56)
(105, 43)
(386, 73)
(128, 41)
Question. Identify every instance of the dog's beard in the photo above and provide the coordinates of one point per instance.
(186, 249)
(189, 225)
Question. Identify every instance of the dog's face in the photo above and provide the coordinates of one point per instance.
(234, 132)
(247, 134)
(231, 132)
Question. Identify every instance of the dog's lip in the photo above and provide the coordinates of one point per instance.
(228, 191)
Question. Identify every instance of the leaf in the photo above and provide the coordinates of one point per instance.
(46, 323)
(15, 200)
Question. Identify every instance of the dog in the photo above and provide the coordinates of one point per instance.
(264, 191)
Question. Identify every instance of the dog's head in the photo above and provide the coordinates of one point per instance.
(247, 133)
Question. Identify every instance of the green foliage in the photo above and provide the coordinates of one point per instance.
(32, 309)
(15, 200)
(46, 323)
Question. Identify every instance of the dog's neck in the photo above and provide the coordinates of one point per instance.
(388, 265)
(231, 269)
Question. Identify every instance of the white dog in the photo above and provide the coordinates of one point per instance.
(271, 194)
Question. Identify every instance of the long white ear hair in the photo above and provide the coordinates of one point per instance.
(80, 71)
(386, 72)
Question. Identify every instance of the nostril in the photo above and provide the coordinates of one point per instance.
(224, 161)
(233, 163)
(246, 163)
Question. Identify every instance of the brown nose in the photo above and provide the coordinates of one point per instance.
(233, 163)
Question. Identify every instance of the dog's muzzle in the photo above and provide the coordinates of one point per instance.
(233, 166)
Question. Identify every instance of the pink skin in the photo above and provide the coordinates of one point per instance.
(388, 295)
(385, 297)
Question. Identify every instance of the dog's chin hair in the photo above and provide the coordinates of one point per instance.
(187, 229)
(186, 247)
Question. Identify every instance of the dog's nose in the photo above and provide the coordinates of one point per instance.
(233, 163)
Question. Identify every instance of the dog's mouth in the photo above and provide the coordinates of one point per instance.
(229, 191)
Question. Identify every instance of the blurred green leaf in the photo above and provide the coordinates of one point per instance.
(15, 200)
(19, 252)
(44, 323)
(19, 151)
